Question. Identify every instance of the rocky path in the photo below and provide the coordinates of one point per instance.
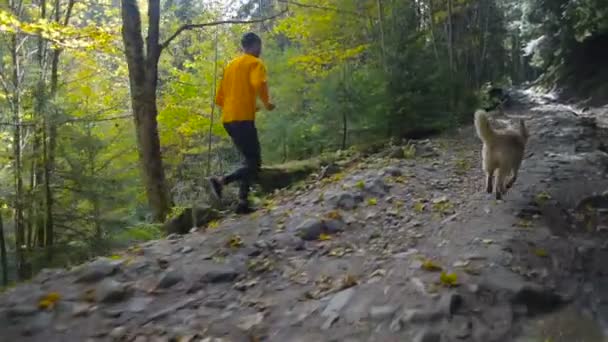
(389, 249)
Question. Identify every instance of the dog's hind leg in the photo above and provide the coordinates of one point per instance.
(489, 181)
(512, 180)
(500, 183)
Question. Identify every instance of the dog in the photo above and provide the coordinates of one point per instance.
(502, 152)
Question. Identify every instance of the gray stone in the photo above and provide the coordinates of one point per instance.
(311, 229)
(343, 200)
(22, 310)
(337, 302)
(427, 335)
(110, 290)
(392, 171)
(97, 270)
(330, 321)
(219, 274)
(118, 333)
(450, 303)
(139, 304)
(41, 321)
(382, 312)
(248, 322)
(288, 240)
(169, 278)
(377, 187)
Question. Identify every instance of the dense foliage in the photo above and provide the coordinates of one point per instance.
(342, 73)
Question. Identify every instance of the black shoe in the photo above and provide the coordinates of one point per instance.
(216, 188)
(243, 208)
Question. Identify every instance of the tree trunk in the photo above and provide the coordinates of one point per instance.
(3, 259)
(18, 178)
(143, 77)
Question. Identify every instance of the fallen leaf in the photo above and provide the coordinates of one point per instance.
(115, 257)
(49, 300)
(333, 215)
(523, 223)
(487, 241)
(372, 201)
(419, 207)
(234, 241)
(213, 224)
(324, 237)
(448, 279)
(430, 265)
(349, 281)
(542, 197)
(539, 252)
(360, 185)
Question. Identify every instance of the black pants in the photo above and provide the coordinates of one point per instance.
(245, 137)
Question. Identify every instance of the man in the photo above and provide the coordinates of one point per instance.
(244, 80)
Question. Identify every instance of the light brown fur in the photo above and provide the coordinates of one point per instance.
(502, 153)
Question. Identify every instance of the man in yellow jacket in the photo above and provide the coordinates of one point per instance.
(244, 80)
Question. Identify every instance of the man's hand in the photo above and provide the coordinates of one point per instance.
(270, 106)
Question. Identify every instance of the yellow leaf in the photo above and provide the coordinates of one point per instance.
(430, 265)
(324, 237)
(419, 207)
(448, 279)
(360, 185)
(213, 224)
(539, 252)
(115, 257)
(372, 201)
(48, 301)
(235, 241)
(333, 215)
(542, 197)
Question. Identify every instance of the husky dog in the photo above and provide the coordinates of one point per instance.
(502, 153)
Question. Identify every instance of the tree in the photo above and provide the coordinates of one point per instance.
(142, 61)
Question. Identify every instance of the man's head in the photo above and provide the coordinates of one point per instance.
(252, 44)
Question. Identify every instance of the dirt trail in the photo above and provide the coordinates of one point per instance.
(353, 257)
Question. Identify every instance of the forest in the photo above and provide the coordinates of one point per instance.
(107, 122)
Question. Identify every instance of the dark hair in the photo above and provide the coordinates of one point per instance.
(249, 40)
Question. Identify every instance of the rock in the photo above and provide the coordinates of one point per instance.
(460, 327)
(117, 333)
(41, 321)
(80, 309)
(97, 270)
(337, 302)
(248, 322)
(182, 223)
(311, 229)
(392, 171)
(329, 321)
(110, 290)
(377, 187)
(537, 300)
(139, 304)
(427, 335)
(288, 240)
(219, 274)
(343, 200)
(396, 152)
(186, 249)
(22, 310)
(382, 312)
(169, 278)
(450, 303)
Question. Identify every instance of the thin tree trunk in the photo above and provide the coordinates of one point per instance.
(143, 77)
(3, 258)
(17, 164)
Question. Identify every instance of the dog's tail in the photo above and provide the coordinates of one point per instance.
(482, 125)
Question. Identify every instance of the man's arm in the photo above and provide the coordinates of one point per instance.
(258, 80)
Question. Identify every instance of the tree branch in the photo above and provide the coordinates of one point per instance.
(299, 4)
(188, 27)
